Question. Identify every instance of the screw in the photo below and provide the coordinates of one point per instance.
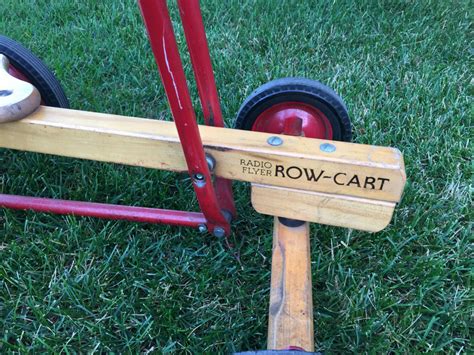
(211, 162)
(202, 228)
(275, 141)
(199, 179)
(327, 147)
(219, 232)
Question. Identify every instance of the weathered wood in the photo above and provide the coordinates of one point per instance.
(17, 98)
(352, 169)
(335, 210)
(291, 305)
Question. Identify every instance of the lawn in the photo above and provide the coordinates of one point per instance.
(70, 284)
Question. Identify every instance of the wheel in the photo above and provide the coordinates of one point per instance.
(25, 65)
(273, 106)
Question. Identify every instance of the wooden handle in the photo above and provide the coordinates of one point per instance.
(17, 98)
(291, 305)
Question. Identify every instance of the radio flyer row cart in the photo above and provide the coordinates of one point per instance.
(291, 141)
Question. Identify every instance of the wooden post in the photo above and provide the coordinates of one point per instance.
(291, 305)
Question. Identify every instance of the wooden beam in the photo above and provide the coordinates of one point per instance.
(335, 210)
(352, 169)
(291, 304)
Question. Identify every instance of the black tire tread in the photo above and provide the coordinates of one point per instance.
(297, 85)
(36, 71)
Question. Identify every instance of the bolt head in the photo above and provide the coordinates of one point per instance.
(327, 147)
(211, 162)
(199, 180)
(275, 141)
(219, 232)
(202, 228)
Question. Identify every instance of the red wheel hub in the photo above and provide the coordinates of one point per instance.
(280, 117)
(16, 73)
(19, 75)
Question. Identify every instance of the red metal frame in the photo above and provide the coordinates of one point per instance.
(103, 210)
(193, 26)
(163, 44)
(195, 34)
(216, 202)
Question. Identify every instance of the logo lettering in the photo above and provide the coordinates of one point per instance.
(311, 176)
(266, 168)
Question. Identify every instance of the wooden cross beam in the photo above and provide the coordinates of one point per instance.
(297, 179)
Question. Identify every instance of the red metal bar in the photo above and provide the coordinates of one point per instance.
(164, 47)
(102, 210)
(195, 34)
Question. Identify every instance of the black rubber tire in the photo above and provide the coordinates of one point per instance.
(52, 93)
(298, 90)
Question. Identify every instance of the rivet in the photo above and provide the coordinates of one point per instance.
(202, 228)
(327, 147)
(275, 141)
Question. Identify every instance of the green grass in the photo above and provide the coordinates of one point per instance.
(83, 285)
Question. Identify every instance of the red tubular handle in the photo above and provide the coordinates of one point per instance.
(103, 210)
(164, 47)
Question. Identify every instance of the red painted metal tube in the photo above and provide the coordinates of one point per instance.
(103, 210)
(164, 47)
(195, 34)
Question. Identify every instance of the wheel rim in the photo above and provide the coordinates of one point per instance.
(17, 74)
(277, 118)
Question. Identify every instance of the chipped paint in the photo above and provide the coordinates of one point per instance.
(169, 71)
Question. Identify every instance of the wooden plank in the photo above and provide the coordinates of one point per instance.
(291, 304)
(352, 169)
(334, 210)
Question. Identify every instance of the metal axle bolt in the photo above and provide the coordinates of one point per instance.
(202, 228)
(199, 180)
(275, 141)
